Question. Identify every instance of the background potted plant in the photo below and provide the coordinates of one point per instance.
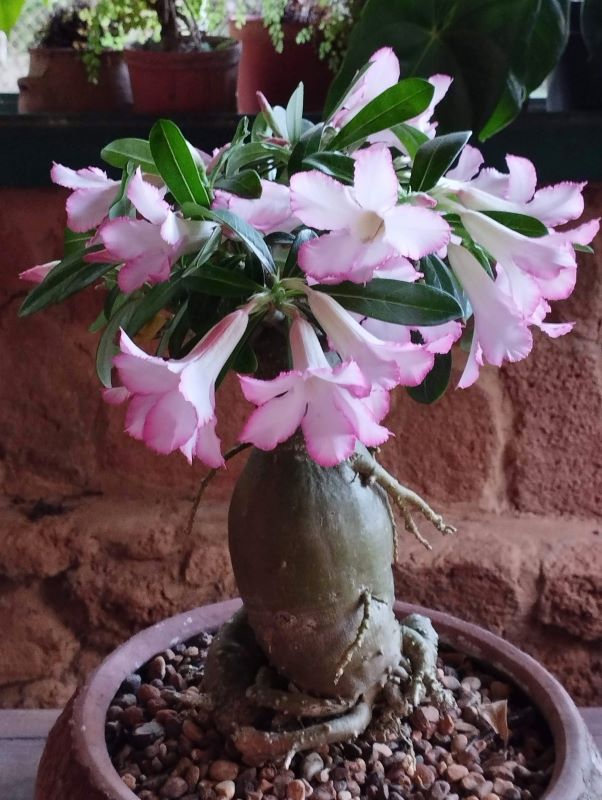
(326, 264)
(67, 73)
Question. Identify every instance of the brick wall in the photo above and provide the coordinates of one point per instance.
(92, 543)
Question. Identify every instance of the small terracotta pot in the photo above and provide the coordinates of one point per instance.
(171, 82)
(76, 766)
(58, 81)
(277, 75)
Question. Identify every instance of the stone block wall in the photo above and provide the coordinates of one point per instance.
(92, 524)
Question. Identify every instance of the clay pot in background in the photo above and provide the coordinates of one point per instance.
(278, 74)
(170, 82)
(76, 763)
(58, 81)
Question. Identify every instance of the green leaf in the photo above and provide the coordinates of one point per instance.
(483, 43)
(106, 346)
(294, 115)
(171, 328)
(245, 361)
(400, 102)
(254, 154)
(337, 165)
(435, 383)
(308, 144)
(154, 299)
(583, 248)
(434, 158)
(176, 165)
(521, 223)
(290, 266)
(121, 151)
(221, 282)
(245, 184)
(9, 14)
(69, 276)
(205, 253)
(410, 137)
(437, 274)
(252, 239)
(396, 301)
(75, 242)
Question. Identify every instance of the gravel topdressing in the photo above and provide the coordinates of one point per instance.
(165, 750)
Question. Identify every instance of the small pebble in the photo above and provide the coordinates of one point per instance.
(129, 780)
(296, 790)
(439, 790)
(156, 668)
(225, 789)
(174, 788)
(312, 764)
(455, 772)
(222, 770)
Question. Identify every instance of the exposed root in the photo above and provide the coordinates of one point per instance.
(420, 645)
(366, 600)
(257, 746)
(369, 468)
(296, 704)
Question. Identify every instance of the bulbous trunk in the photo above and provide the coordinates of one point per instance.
(312, 549)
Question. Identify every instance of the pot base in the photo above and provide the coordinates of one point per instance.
(76, 762)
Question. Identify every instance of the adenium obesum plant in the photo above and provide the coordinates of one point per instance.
(368, 247)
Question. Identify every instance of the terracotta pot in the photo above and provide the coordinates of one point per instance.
(168, 82)
(278, 74)
(76, 763)
(57, 81)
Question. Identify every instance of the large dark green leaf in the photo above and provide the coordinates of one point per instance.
(521, 223)
(396, 301)
(69, 276)
(221, 282)
(308, 144)
(177, 167)
(244, 184)
(397, 104)
(486, 45)
(410, 137)
(437, 274)
(121, 151)
(253, 240)
(434, 158)
(435, 383)
(337, 165)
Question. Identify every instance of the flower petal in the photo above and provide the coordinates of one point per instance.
(415, 232)
(555, 205)
(329, 435)
(269, 213)
(38, 273)
(88, 178)
(339, 256)
(170, 423)
(375, 182)
(277, 420)
(87, 208)
(322, 202)
(522, 179)
(147, 199)
(468, 165)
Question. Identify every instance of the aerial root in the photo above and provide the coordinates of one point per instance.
(258, 746)
(366, 600)
(369, 468)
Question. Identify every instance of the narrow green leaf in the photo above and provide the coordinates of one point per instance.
(308, 144)
(435, 383)
(337, 165)
(69, 276)
(396, 301)
(583, 248)
(290, 266)
(221, 282)
(119, 152)
(251, 238)
(244, 184)
(176, 165)
(434, 158)
(401, 102)
(439, 275)
(205, 253)
(521, 223)
(75, 242)
(170, 328)
(294, 115)
(254, 154)
(106, 346)
(154, 299)
(410, 137)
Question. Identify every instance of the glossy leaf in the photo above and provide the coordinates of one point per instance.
(253, 240)
(254, 154)
(121, 151)
(434, 158)
(396, 301)
(439, 275)
(521, 223)
(291, 266)
(69, 276)
(435, 383)
(75, 242)
(176, 164)
(411, 138)
(244, 184)
(294, 115)
(221, 282)
(583, 248)
(308, 144)
(154, 300)
(107, 348)
(401, 102)
(337, 165)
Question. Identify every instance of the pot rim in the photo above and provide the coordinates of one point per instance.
(573, 743)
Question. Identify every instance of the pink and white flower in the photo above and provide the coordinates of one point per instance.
(148, 247)
(367, 225)
(384, 363)
(94, 194)
(38, 273)
(172, 402)
(331, 404)
(269, 213)
(500, 331)
(382, 73)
